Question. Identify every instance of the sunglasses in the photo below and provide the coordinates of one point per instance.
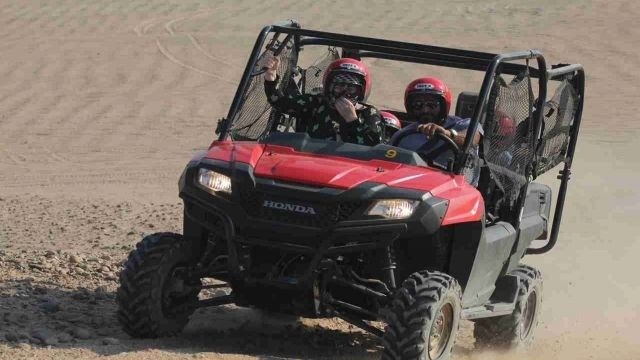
(419, 104)
(347, 89)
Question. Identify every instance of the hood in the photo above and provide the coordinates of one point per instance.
(286, 164)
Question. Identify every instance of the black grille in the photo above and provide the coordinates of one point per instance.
(295, 211)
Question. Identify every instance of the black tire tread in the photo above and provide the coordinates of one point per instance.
(412, 311)
(137, 298)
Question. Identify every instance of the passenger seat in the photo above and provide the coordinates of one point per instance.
(466, 103)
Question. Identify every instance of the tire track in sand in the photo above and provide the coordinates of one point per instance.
(41, 147)
(132, 102)
(175, 60)
(38, 78)
(169, 28)
(143, 29)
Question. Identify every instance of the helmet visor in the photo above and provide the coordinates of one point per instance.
(348, 86)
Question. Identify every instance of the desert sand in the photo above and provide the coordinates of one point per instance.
(102, 103)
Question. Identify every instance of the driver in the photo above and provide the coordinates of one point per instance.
(337, 114)
(427, 101)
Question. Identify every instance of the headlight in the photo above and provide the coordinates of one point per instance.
(393, 209)
(213, 181)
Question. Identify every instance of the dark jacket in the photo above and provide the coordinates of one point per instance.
(321, 121)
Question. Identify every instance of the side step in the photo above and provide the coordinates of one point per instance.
(502, 302)
(489, 310)
(216, 301)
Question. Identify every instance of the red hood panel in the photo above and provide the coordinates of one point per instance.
(283, 163)
(286, 164)
(244, 151)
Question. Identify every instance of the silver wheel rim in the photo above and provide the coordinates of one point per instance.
(528, 314)
(441, 330)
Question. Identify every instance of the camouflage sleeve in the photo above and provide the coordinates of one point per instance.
(367, 130)
(292, 105)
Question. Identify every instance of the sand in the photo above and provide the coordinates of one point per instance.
(103, 103)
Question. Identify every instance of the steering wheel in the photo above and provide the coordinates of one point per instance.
(430, 155)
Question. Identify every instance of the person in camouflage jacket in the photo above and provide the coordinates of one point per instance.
(339, 113)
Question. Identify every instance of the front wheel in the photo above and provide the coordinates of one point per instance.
(424, 318)
(157, 296)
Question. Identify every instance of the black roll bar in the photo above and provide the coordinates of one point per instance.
(485, 90)
(246, 75)
(394, 50)
(490, 63)
(565, 173)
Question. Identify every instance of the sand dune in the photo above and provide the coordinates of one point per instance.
(103, 103)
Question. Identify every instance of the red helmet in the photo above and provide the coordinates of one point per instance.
(351, 67)
(506, 126)
(432, 86)
(390, 120)
(504, 133)
(391, 124)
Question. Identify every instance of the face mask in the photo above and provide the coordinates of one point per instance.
(349, 91)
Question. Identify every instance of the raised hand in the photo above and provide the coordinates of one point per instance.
(346, 109)
(270, 62)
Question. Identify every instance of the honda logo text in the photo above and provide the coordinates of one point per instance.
(289, 207)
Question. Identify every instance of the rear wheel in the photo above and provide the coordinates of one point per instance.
(424, 318)
(514, 331)
(156, 294)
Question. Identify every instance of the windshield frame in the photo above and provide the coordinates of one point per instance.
(491, 64)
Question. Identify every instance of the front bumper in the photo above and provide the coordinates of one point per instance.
(338, 226)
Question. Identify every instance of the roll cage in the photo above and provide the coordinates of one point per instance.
(494, 65)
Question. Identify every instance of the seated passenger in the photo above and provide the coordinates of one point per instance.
(391, 125)
(427, 101)
(505, 137)
(337, 114)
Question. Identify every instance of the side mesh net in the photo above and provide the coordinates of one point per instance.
(508, 137)
(559, 113)
(255, 116)
(315, 73)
